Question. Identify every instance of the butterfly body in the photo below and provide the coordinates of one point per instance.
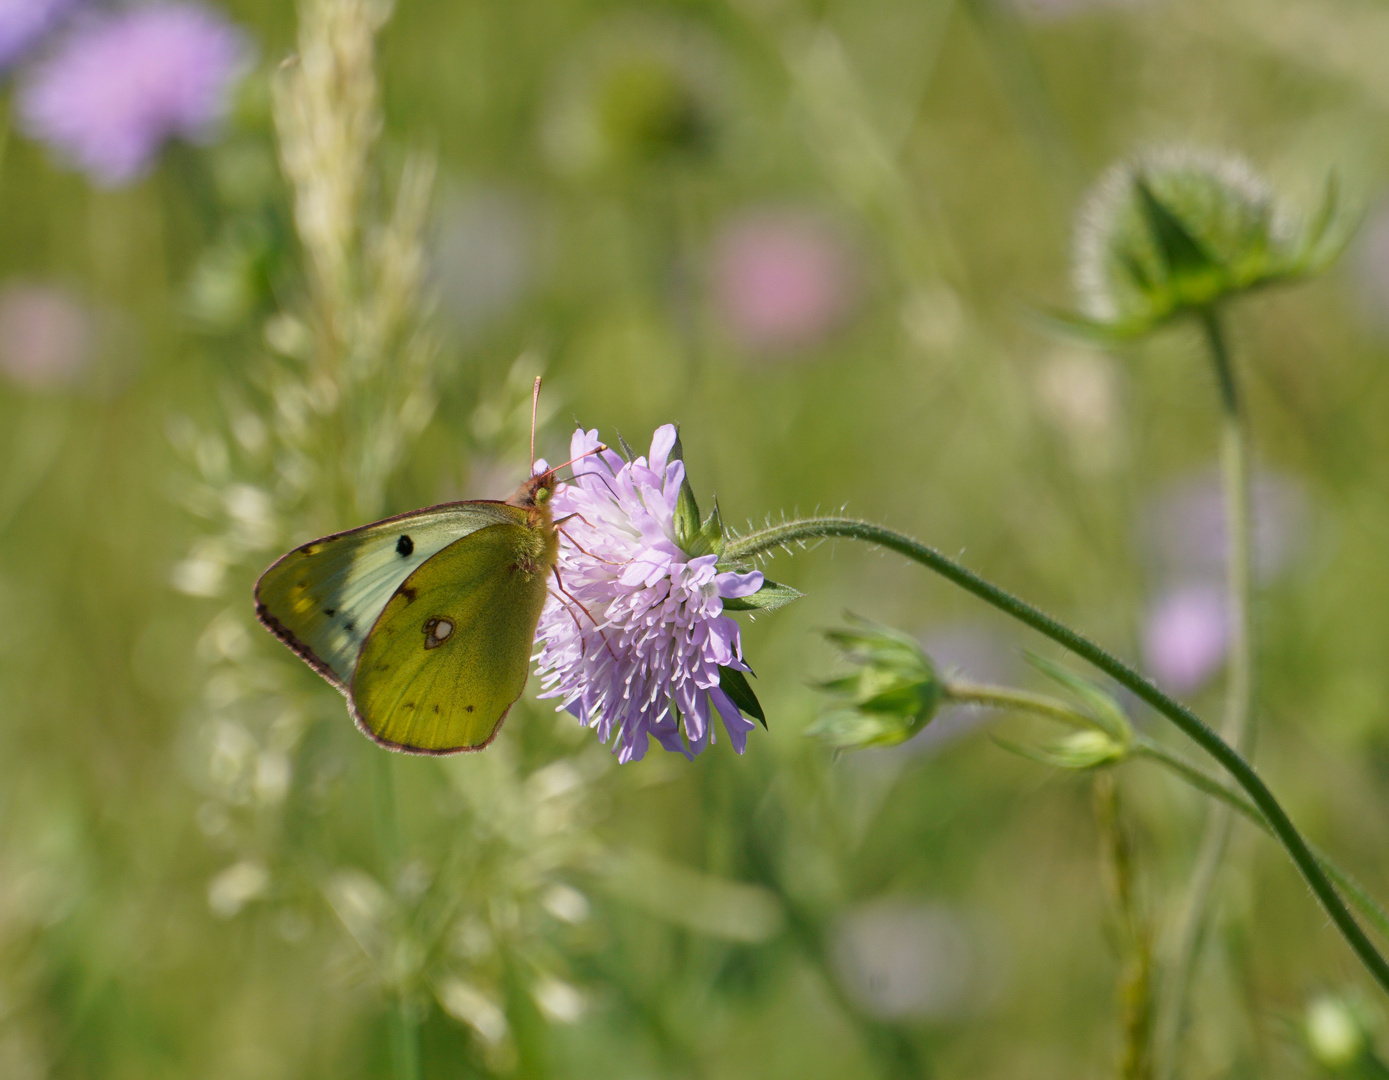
(424, 621)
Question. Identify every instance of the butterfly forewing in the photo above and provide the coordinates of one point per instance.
(449, 654)
(323, 598)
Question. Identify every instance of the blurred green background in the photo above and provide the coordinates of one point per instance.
(810, 233)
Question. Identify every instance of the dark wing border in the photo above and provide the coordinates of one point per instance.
(268, 620)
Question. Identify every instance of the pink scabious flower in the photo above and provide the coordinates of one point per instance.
(47, 335)
(1186, 637)
(633, 645)
(783, 279)
(123, 84)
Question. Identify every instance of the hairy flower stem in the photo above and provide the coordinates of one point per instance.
(1237, 728)
(1187, 721)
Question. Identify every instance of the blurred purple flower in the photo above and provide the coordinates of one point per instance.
(1047, 10)
(782, 279)
(47, 336)
(1185, 638)
(23, 23)
(122, 84)
(1373, 252)
(903, 960)
(484, 257)
(1184, 527)
(649, 666)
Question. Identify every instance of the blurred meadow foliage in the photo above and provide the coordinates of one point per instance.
(814, 234)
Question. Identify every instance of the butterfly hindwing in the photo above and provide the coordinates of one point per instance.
(323, 598)
(451, 650)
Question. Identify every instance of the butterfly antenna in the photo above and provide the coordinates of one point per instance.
(587, 453)
(535, 408)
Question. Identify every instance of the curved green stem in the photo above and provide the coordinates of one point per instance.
(1203, 781)
(1236, 727)
(1190, 724)
(1139, 745)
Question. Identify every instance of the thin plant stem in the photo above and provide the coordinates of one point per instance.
(405, 1036)
(1237, 727)
(1133, 931)
(1139, 745)
(1370, 908)
(1005, 697)
(1191, 725)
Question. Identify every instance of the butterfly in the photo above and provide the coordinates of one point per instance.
(424, 621)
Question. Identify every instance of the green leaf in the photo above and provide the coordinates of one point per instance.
(771, 596)
(735, 684)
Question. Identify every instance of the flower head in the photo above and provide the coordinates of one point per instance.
(1175, 232)
(23, 23)
(638, 645)
(123, 84)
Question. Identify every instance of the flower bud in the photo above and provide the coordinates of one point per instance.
(893, 695)
(1176, 232)
(1338, 1037)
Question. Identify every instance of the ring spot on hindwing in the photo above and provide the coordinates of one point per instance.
(437, 631)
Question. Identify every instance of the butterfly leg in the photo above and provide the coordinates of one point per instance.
(560, 581)
(571, 539)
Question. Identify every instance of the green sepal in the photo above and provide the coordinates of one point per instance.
(1182, 253)
(712, 530)
(627, 452)
(1079, 750)
(847, 730)
(735, 684)
(771, 596)
(893, 694)
(1101, 708)
(688, 536)
(1330, 232)
(1091, 331)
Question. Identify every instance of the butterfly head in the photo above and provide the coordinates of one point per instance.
(535, 493)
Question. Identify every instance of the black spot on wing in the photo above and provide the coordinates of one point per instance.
(467, 708)
(404, 547)
(408, 593)
(330, 612)
(349, 626)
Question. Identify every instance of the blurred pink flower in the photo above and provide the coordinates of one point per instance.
(47, 336)
(783, 279)
(1184, 527)
(122, 84)
(1185, 638)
